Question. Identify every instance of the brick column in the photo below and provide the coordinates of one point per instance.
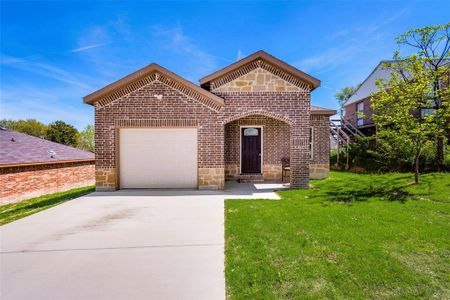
(299, 155)
(211, 168)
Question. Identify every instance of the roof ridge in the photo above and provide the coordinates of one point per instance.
(314, 82)
(365, 80)
(147, 70)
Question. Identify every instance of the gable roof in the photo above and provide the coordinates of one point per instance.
(314, 82)
(368, 85)
(318, 110)
(21, 149)
(144, 72)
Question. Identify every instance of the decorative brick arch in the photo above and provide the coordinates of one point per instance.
(258, 113)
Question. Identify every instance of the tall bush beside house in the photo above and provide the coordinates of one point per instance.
(432, 46)
(399, 108)
(85, 139)
(342, 96)
(367, 155)
(63, 133)
(28, 126)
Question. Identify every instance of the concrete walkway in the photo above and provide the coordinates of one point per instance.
(130, 244)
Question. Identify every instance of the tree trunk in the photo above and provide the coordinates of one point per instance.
(440, 139)
(416, 171)
(440, 153)
(417, 160)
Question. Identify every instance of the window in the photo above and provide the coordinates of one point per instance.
(250, 132)
(426, 112)
(360, 113)
(311, 139)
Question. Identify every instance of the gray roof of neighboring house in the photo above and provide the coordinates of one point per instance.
(21, 149)
(368, 85)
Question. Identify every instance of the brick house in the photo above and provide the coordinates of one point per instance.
(32, 167)
(358, 108)
(155, 129)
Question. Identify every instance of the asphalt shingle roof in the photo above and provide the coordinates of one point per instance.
(19, 148)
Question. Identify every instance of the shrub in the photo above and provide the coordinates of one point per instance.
(372, 155)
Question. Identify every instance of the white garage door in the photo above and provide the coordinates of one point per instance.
(158, 158)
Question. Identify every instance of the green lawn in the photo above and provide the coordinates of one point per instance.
(349, 237)
(15, 211)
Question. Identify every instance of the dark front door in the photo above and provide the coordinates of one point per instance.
(251, 150)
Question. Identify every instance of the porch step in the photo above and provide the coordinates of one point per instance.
(250, 178)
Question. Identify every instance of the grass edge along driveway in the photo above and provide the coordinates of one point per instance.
(14, 211)
(350, 236)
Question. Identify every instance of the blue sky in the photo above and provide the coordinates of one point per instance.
(54, 53)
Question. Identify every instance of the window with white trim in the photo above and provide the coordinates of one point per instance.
(311, 139)
(360, 113)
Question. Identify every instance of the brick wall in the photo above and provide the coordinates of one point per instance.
(141, 108)
(351, 115)
(20, 183)
(275, 145)
(292, 108)
(320, 162)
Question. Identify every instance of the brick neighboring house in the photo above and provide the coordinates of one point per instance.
(358, 109)
(155, 129)
(32, 167)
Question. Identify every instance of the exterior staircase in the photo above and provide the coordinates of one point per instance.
(343, 132)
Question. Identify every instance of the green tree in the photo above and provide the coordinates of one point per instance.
(28, 126)
(342, 96)
(63, 133)
(398, 106)
(432, 44)
(85, 138)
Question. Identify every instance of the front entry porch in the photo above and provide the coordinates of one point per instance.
(254, 148)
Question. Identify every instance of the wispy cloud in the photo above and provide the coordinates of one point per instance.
(339, 34)
(173, 39)
(352, 43)
(6, 60)
(45, 105)
(177, 40)
(330, 58)
(239, 55)
(84, 48)
(43, 69)
(127, 48)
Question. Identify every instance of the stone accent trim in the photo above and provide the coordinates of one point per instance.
(257, 113)
(258, 80)
(106, 179)
(211, 178)
(272, 172)
(151, 78)
(259, 63)
(231, 171)
(318, 171)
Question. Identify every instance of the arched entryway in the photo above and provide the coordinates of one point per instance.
(255, 144)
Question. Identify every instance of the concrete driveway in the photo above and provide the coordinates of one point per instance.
(130, 244)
